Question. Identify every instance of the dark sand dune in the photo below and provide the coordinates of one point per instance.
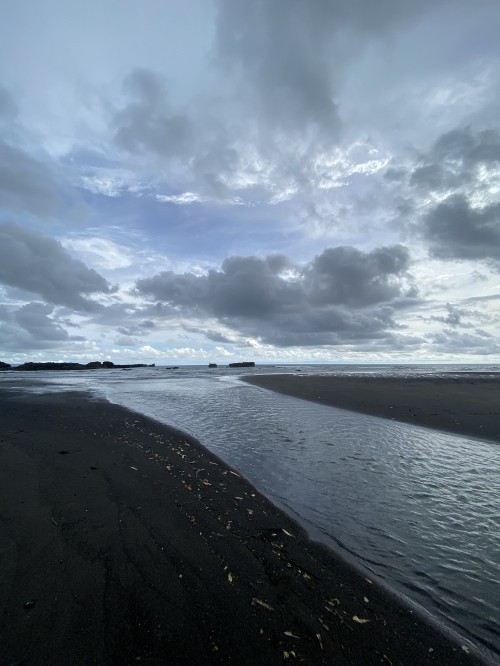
(125, 542)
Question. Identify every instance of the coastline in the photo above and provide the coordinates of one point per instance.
(128, 542)
(468, 405)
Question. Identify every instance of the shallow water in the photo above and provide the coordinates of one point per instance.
(418, 508)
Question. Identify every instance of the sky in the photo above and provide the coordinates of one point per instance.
(284, 181)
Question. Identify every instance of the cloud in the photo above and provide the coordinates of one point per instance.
(454, 318)
(342, 295)
(477, 343)
(270, 120)
(33, 317)
(8, 107)
(33, 326)
(467, 147)
(214, 336)
(463, 317)
(39, 264)
(458, 159)
(105, 254)
(197, 147)
(288, 54)
(450, 195)
(26, 184)
(30, 180)
(279, 53)
(146, 122)
(183, 199)
(140, 328)
(455, 230)
(345, 275)
(126, 341)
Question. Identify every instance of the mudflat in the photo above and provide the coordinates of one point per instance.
(466, 405)
(123, 541)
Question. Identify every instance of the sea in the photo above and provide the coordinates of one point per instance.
(417, 509)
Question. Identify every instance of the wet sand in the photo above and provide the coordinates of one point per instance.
(466, 405)
(125, 542)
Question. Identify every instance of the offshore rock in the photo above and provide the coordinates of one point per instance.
(243, 364)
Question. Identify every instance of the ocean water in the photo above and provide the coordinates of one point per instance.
(417, 508)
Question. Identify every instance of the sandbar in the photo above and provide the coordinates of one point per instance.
(465, 405)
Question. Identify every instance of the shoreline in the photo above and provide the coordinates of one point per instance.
(127, 541)
(468, 405)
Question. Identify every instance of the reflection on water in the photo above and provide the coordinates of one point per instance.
(418, 508)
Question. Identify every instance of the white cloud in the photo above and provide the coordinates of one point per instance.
(102, 253)
(182, 199)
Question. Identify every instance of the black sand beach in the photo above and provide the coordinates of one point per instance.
(125, 542)
(467, 405)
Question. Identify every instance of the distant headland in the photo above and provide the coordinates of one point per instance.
(93, 365)
(98, 365)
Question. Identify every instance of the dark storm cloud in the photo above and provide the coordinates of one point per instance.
(469, 147)
(463, 317)
(342, 295)
(135, 329)
(215, 336)
(461, 169)
(132, 319)
(432, 177)
(246, 286)
(199, 143)
(32, 327)
(26, 184)
(454, 318)
(478, 342)
(329, 325)
(146, 122)
(33, 317)
(287, 53)
(394, 174)
(39, 264)
(461, 158)
(344, 275)
(279, 51)
(455, 158)
(455, 230)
